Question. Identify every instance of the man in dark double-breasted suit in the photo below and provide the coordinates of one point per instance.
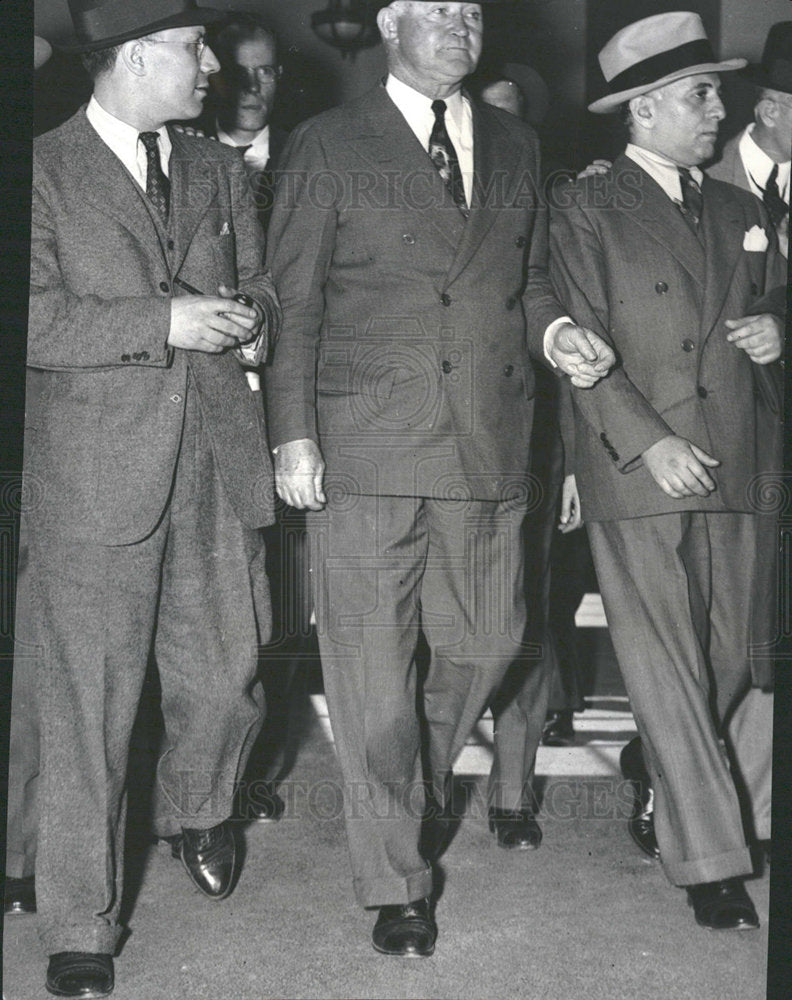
(147, 471)
(400, 407)
(682, 275)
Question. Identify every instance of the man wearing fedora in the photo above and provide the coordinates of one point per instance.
(681, 274)
(758, 159)
(408, 239)
(147, 471)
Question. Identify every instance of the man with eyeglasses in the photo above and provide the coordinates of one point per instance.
(147, 464)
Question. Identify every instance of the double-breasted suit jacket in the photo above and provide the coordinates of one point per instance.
(407, 328)
(628, 266)
(106, 393)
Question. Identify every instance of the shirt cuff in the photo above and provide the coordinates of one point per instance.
(550, 333)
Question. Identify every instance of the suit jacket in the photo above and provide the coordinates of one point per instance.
(730, 167)
(628, 266)
(262, 181)
(404, 349)
(106, 392)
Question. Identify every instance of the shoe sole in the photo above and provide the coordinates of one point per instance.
(404, 954)
(92, 995)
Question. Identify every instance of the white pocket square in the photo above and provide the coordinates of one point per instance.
(225, 231)
(755, 239)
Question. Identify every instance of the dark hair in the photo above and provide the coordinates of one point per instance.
(100, 61)
(238, 27)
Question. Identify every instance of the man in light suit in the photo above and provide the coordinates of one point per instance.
(408, 241)
(758, 159)
(682, 275)
(147, 471)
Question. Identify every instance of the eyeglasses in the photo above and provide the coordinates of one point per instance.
(249, 76)
(198, 47)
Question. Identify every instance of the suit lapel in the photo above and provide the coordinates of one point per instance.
(662, 221)
(492, 147)
(387, 144)
(107, 184)
(193, 189)
(723, 230)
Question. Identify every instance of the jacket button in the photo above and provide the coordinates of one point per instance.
(688, 345)
(409, 239)
(521, 241)
(171, 245)
(661, 288)
(604, 437)
(175, 398)
(144, 356)
(754, 288)
(125, 358)
(508, 371)
(702, 392)
(164, 286)
(614, 455)
(447, 367)
(445, 298)
(511, 302)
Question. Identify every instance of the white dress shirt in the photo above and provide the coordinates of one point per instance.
(417, 111)
(258, 152)
(758, 166)
(662, 170)
(124, 141)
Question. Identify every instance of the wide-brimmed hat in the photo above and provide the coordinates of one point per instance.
(653, 52)
(775, 69)
(42, 50)
(98, 24)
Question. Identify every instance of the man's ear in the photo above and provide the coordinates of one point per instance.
(766, 112)
(386, 22)
(643, 111)
(133, 56)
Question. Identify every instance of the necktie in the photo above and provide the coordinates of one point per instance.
(776, 207)
(444, 157)
(692, 201)
(157, 184)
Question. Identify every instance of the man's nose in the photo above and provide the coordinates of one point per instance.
(209, 63)
(459, 25)
(717, 110)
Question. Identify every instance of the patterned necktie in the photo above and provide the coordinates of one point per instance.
(692, 201)
(776, 207)
(444, 157)
(157, 184)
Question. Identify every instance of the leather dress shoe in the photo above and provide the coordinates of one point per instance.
(209, 857)
(408, 931)
(19, 896)
(258, 802)
(723, 906)
(640, 825)
(559, 730)
(517, 830)
(80, 974)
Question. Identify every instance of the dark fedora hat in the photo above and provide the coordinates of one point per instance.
(775, 69)
(99, 24)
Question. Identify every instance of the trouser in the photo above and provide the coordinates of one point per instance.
(385, 568)
(678, 594)
(189, 591)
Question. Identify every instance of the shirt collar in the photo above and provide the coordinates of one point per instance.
(662, 170)
(122, 138)
(758, 164)
(412, 102)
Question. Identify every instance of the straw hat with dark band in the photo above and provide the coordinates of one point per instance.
(653, 52)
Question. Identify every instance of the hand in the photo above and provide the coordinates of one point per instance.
(678, 467)
(209, 324)
(594, 168)
(581, 354)
(299, 470)
(761, 337)
(195, 133)
(228, 293)
(570, 506)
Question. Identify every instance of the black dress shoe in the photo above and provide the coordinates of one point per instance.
(80, 974)
(723, 906)
(408, 931)
(640, 825)
(19, 896)
(258, 802)
(515, 829)
(210, 859)
(559, 730)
